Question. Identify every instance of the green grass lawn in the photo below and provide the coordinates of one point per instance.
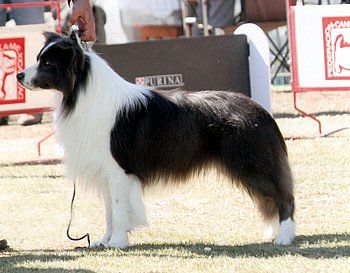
(207, 226)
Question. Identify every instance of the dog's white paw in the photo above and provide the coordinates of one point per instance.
(271, 230)
(97, 244)
(269, 234)
(283, 240)
(103, 242)
(286, 234)
(121, 241)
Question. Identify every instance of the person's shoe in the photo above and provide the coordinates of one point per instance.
(26, 119)
(4, 120)
(3, 244)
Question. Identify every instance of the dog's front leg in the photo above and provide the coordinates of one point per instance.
(108, 211)
(119, 196)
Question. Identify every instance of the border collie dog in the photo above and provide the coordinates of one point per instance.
(119, 137)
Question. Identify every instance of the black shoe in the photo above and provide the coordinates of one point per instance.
(4, 120)
(3, 244)
(26, 119)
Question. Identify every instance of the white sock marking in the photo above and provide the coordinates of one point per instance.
(286, 234)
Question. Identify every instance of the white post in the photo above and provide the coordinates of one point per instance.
(259, 64)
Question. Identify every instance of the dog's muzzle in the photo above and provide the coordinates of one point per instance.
(20, 77)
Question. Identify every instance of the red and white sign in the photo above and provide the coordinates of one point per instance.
(336, 41)
(12, 55)
(320, 42)
(19, 47)
(319, 37)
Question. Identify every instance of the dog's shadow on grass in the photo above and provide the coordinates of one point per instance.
(322, 246)
(329, 246)
(12, 261)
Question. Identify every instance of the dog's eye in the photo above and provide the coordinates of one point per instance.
(46, 62)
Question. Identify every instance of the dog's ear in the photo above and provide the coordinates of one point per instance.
(66, 45)
(75, 61)
(73, 52)
(51, 36)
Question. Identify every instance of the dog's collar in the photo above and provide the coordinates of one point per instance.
(83, 45)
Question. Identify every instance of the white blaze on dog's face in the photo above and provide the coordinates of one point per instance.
(60, 63)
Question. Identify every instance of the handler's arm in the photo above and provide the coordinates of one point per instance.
(82, 14)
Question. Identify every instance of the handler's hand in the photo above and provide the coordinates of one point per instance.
(82, 14)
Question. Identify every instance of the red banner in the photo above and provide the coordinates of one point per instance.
(12, 61)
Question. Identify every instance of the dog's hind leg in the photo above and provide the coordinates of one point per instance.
(270, 185)
(276, 205)
(278, 217)
(269, 212)
(285, 202)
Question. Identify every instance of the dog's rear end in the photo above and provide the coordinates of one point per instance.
(250, 149)
(255, 157)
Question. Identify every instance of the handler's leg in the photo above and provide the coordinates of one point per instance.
(3, 16)
(26, 16)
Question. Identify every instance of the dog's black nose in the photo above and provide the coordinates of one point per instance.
(20, 76)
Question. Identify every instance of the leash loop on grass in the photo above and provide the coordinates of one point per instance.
(87, 235)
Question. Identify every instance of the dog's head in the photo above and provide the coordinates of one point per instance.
(61, 63)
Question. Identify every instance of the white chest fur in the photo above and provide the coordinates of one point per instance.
(85, 133)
